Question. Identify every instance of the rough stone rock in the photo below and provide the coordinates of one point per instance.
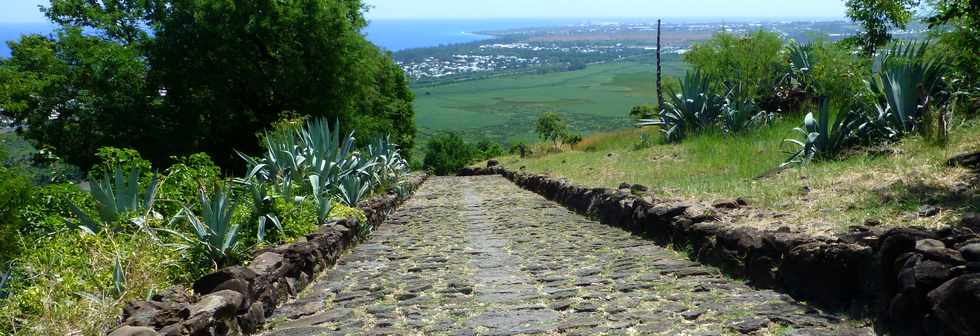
(924, 245)
(946, 255)
(252, 319)
(638, 188)
(266, 263)
(971, 252)
(218, 305)
(907, 307)
(956, 303)
(727, 204)
(967, 160)
(692, 314)
(930, 274)
(133, 331)
(534, 267)
(208, 283)
(750, 325)
(971, 221)
(492, 163)
(928, 211)
(829, 274)
(165, 308)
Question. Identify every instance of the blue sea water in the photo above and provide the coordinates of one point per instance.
(401, 34)
(390, 34)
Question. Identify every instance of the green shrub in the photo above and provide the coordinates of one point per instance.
(446, 153)
(15, 194)
(183, 180)
(644, 111)
(63, 284)
(487, 150)
(837, 73)
(110, 157)
(49, 206)
(552, 127)
(753, 61)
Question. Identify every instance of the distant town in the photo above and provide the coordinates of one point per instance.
(547, 49)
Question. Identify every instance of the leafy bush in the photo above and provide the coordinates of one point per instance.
(64, 284)
(552, 127)
(644, 111)
(49, 205)
(487, 150)
(102, 70)
(111, 158)
(15, 193)
(446, 153)
(824, 69)
(182, 181)
(753, 61)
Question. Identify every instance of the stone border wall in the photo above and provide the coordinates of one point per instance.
(912, 281)
(236, 300)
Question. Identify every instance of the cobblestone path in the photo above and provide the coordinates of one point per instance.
(480, 256)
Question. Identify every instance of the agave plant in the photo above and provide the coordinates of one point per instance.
(909, 84)
(322, 197)
(739, 111)
(826, 135)
(353, 188)
(214, 231)
(5, 281)
(694, 109)
(118, 278)
(800, 60)
(117, 194)
(261, 200)
(390, 166)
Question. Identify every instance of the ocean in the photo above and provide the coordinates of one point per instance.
(390, 34)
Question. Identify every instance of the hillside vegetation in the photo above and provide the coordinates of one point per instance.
(817, 137)
(890, 185)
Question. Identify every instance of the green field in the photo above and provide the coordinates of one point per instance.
(504, 109)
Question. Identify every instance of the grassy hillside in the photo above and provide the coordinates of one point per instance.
(822, 197)
(503, 109)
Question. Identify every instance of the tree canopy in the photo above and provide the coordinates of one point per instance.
(877, 17)
(173, 77)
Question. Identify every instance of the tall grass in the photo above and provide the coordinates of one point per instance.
(829, 195)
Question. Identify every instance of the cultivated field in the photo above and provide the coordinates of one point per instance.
(504, 109)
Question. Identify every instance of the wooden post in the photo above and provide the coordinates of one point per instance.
(660, 92)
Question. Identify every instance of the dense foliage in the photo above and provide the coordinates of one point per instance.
(740, 82)
(877, 17)
(956, 23)
(171, 78)
(446, 153)
(552, 127)
(74, 257)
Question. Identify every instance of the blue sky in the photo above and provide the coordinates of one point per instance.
(26, 10)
